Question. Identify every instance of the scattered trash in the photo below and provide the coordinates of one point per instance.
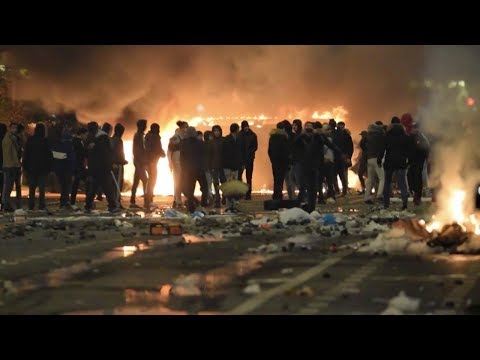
(172, 213)
(373, 226)
(198, 215)
(316, 215)
(20, 216)
(252, 289)
(329, 219)
(295, 216)
(165, 229)
(404, 303)
(287, 271)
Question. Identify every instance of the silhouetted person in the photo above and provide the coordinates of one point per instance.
(37, 163)
(140, 161)
(118, 161)
(278, 152)
(362, 160)
(192, 155)
(232, 157)
(343, 140)
(174, 162)
(22, 140)
(215, 148)
(375, 148)
(398, 149)
(3, 131)
(154, 151)
(296, 180)
(207, 138)
(100, 162)
(420, 152)
(107, 129)
(64, 166)
(80, 171)
(249, 145)
(11, 164)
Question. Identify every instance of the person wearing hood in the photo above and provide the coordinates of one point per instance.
(343, 140)
(140, 161)
(398, 148)
(3, 131)
(154, 151)
(80, 172)
(295, 156)
(278, 153)
(107, 129)
(37, 163)
(407, 121)
(173, 154)
(420, 152)
(64, 166)
(100, 163)
(11, 164)
(249, 145)
(192, 155)
(118, 161)
(309, 146)
(289, 175)
(375, 147)
(215, 150)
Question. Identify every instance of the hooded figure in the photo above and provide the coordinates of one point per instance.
(154, 151)
(64, 166)
(192, 154)
(398, 148)
(343, 140)
(100, 162)
(407, 122)
(37, 163)
(215, 154)
(80, 172)
(278, 152)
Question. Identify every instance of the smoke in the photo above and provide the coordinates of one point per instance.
(454, 126)
(157, 82)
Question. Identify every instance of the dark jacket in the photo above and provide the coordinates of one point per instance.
(100, 156)
(80, 153)
(139, 154)
(374, 142)
(192, 155)
(343, 140)
(249, 145)
(295, 155)
(118, 151)
(278, 148)
(310, 150)
(153, 147)
(38, 158)
(215, 148)
(398, 148)
(421, 146)
(231, 153)
(64, 158)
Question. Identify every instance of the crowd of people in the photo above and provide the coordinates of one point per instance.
(306, 157)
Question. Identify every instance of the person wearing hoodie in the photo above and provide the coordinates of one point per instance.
(140, 161)
(154, 151)
(343, 140)
(398, 148)
(64, 166)
(278, 153)
(309, 146)
(295, 156)
(174, 162)
(80, 172)
(216, 162)
(192, 155)
(249, 145)
(37, 163)
(420, 152)
(375, 147)
(100, 163)
(3, 131)
(118, 161)
(11, 164)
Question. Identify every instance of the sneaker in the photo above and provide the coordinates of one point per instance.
(115, 211)
(134, 206)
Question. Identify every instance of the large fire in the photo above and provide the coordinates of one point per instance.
(164, 185)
